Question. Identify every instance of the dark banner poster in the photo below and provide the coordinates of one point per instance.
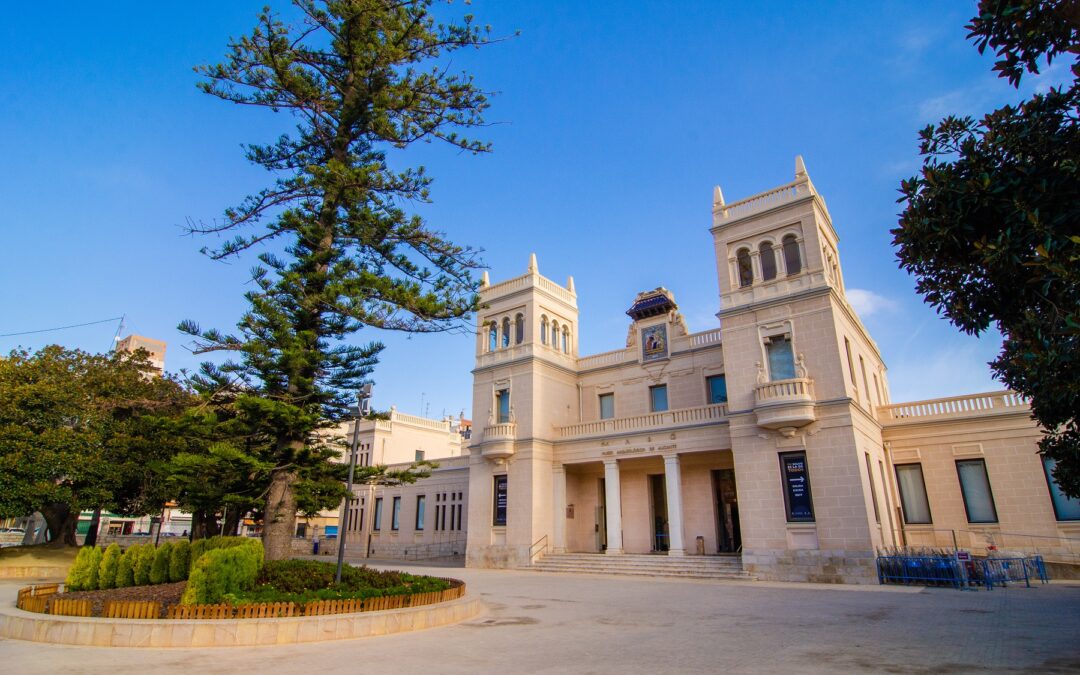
(800, 508)
(500, 500)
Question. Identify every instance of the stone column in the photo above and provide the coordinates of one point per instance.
(673, 480)
(558, 482)
(613, 506)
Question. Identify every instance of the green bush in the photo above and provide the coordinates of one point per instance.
(159, 571)
(125, 569)
(222, 573)
(179, 561)
(108, 567)
(96, 554)
(304, 580)
(78, 577)
(143, 564)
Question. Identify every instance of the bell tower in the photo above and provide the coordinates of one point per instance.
(524, 386)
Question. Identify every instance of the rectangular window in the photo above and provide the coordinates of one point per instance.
(378, 514)
(502, 404)
(797, 500)
(909, 478)
(1065, 508)
(658, 398)
(975, 487)
(865, 382)
(717, 388)
(607, 406)
(419, 455)
(395, 515)
(500, 501)
(420, 504)
(781, 358)
(873, 488)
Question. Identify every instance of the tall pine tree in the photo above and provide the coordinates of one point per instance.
(361, 78)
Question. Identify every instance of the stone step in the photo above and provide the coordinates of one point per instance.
(701, 567)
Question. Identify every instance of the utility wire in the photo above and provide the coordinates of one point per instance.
(74, 325)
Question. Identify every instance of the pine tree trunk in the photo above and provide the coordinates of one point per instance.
(231, 521)
(62, 521)
(279, 522)
(92, 533)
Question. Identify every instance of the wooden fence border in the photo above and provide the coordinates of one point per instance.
(38, 599)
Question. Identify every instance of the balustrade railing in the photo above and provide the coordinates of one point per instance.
(799, 388)
(497, 432)
(765, 200)
(665, 420)
(954, 406)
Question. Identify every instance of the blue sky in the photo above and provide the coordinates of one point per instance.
(611, 125)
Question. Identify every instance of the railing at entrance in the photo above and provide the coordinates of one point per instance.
(659, 420)
(539, 548)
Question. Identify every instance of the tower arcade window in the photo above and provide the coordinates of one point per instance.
(792, 260)
(768, 260)
(746, 270)
(566, 340)
(493, 336)
(554, 334)
(543, 330)
(506, 333)
(519, 329)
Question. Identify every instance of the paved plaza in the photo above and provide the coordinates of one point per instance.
(595, 624)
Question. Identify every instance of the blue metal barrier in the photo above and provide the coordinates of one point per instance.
(945, 570)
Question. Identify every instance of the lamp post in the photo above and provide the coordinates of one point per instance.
(362, 408)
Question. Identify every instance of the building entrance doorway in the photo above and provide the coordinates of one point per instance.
(658, 497)
(729, 536)
(601, 517)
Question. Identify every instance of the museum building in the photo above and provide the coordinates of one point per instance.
(770, 436)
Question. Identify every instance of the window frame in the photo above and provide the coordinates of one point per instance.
(766, 252)
(790, 246)
(903, 500)
(1050, 484)
(709, 379)
(421, 512)
(500, 417)
(744, 263)
(395, 514)
(609, 396)
(989, 491)
(652, 399)
(497, 519)
(377, 525)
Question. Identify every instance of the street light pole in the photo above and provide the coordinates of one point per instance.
(363, 401)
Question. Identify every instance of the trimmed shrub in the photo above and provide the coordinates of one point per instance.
(159, 571)
(179, 561)
(108, 568)
(220, 574)
(96, 554)
(143, 563)
(125, 569)
(304, 580)
(78, 577)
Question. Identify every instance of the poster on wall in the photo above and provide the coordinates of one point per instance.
(800, 507)
(500, 500)
(654, 343)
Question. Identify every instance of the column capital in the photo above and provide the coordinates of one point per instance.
(558, 468)
(611, 461)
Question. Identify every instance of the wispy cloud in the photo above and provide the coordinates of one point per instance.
(867, 303)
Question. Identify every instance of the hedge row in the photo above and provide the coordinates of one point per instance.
(143, 564)
(221, 574)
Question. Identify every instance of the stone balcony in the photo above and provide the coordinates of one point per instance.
(499, 440)
(785, 405)
(658, 421)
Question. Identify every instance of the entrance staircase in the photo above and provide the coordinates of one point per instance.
(688, 567)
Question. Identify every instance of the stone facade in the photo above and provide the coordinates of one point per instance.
(767, 436)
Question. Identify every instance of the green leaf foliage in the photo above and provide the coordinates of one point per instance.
(159, 569)
(179, 560)
(305, 580)
(78, 577)
(109, 567)
(361, 79)
(125, 569)
(223, 572)
(989, 227)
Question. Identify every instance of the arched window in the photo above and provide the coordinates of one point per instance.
(792, 261)
(519, 329)
(543, 330)
(493, 336)
(554, 334)
(566, 340)
(506, 333)
(768, 260)
(746, 271)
